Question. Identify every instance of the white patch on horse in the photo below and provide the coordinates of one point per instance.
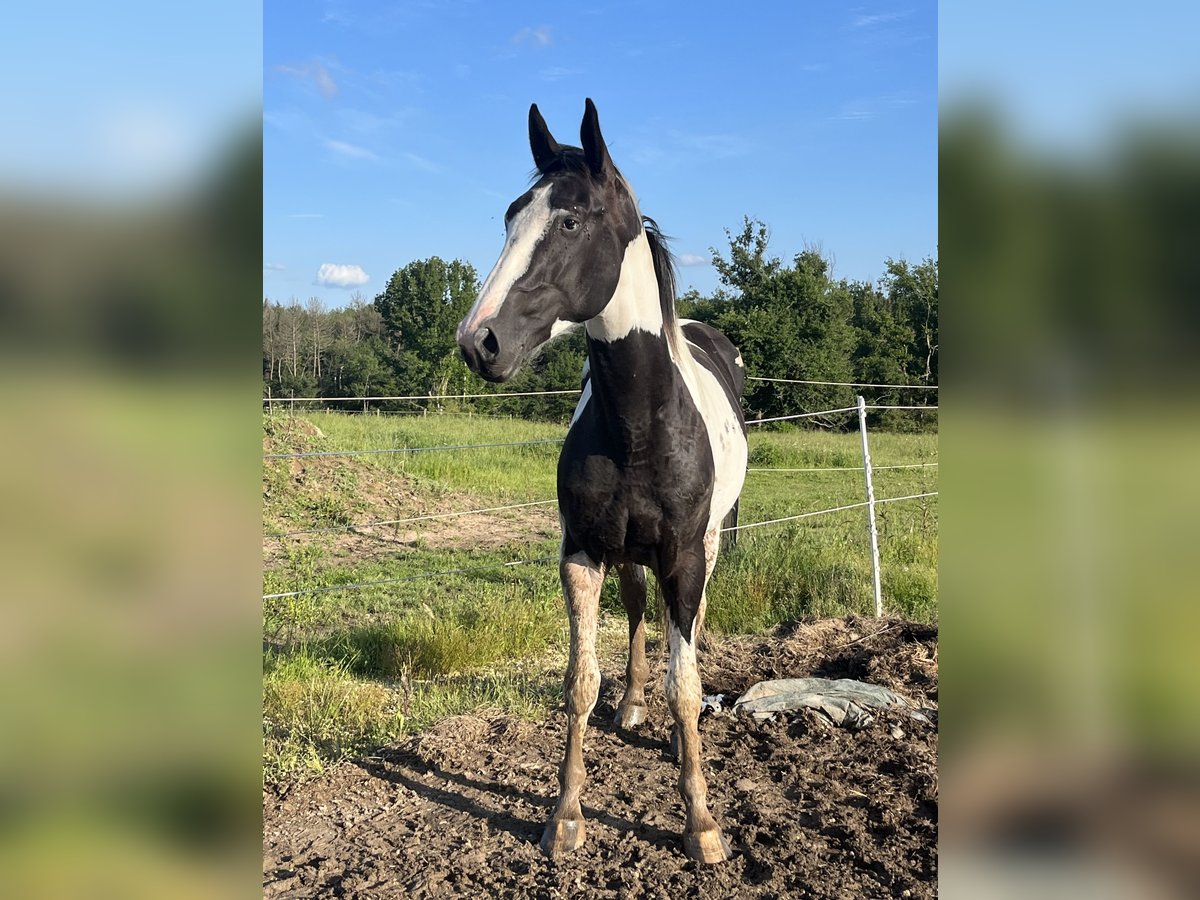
(634, 304)
(725, 436)
(559, 326)
(682, 680)
(526, 230)
(582, 580)
(583, 402)
(738, 362)
(712, 545)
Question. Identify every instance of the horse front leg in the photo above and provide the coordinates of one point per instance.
(631, 711)
(684, 593)
(581, 581)
(712, 545)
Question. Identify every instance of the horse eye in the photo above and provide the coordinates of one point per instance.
(570, 224)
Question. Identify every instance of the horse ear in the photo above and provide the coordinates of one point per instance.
(594, 148)
(541, 142)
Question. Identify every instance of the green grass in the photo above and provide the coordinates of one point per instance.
(316, 712)
(463, 635)
(403, 591)
(497, 473)
(347, 671)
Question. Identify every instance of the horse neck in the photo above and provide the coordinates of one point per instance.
(630, 348)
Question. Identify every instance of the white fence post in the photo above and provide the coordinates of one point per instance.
(862, 430)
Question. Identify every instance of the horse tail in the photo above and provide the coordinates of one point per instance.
(729, 538)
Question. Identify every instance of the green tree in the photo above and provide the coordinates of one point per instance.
(421, 307)
(556, 367)
(883, 354)
(913, 294)
(788, 321)
(884, 345)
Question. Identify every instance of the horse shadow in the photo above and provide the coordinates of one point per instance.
(409, 771)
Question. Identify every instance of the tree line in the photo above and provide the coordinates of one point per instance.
(790, 320)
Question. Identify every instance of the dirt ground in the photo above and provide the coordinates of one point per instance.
(811, 809)
(386, 496)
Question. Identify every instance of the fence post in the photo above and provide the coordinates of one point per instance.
(862, 430)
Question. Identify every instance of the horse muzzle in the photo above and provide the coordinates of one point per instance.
(486, 355)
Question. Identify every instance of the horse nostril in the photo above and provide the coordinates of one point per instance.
(487, 343)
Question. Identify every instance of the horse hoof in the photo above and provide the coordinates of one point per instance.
(707, 846)
(630, 715)
(563, 836)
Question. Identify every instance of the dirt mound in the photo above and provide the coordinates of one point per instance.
(331, 501)
(811, 809)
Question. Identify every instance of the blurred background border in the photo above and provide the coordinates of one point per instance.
(130, 273)
(130, 281)
(1069, 200)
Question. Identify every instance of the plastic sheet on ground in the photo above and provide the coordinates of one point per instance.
(846, 701)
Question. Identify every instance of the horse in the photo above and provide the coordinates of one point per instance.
(655, 456)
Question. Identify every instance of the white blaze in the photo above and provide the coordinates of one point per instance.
(525, 232)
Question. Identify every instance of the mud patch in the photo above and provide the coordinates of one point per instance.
(811, 809)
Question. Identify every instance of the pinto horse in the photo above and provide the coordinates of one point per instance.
(656, 453)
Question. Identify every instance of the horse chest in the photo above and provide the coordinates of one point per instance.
(623, 499)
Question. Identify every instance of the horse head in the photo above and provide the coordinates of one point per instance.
(564, 246)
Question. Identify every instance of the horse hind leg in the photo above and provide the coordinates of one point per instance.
(631, 711)
(581, 581)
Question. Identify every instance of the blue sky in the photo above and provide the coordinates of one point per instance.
(397, 131)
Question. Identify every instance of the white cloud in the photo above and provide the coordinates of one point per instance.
(422, 163)
(353, 151)
(364, 122)
(540, 36)
(642, 152)
(869, 107)
(856, 111)
(861, 21)
(289, 121)
(557, 73)
(314, 72)
(691, 259)
(340, 276)
(325, 82)
(273, 267)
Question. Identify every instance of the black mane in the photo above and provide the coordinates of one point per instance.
(664, 271)
(569, 160)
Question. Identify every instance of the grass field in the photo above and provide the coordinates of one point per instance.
(348, 670)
